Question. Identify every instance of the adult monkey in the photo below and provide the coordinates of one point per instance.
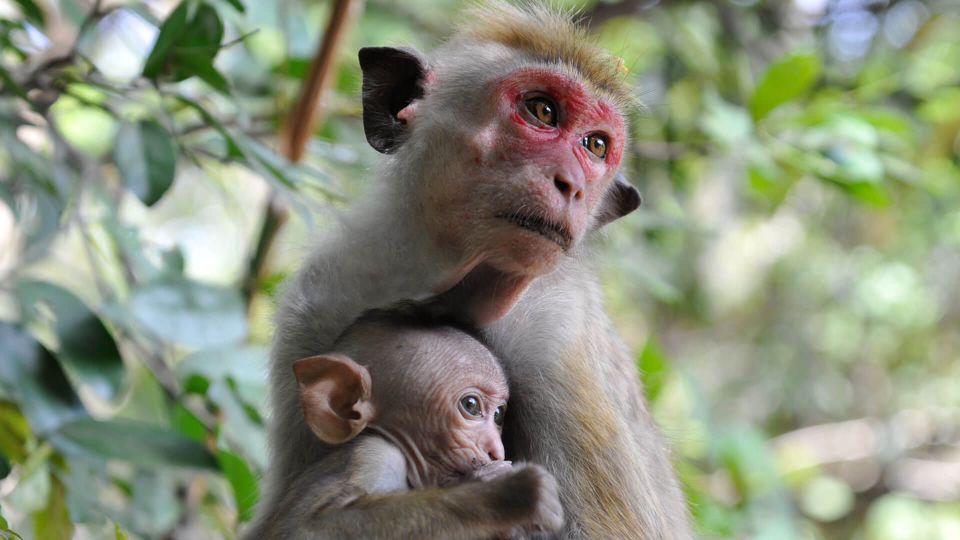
(505, 147)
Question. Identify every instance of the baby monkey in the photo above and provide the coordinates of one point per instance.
(414, 409)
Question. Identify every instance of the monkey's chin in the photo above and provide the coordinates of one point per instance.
(485, 294)
(532, 256)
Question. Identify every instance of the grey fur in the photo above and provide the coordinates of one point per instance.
(381, 254)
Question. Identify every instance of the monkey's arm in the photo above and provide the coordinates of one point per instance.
(361, 492)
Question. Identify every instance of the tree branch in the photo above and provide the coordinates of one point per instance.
(297, 130)
(304, 116)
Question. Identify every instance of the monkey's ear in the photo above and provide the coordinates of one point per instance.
(619, 200)
(335, 396)
(392, 79)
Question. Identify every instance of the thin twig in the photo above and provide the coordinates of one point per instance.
(305, 115)
(298, 128)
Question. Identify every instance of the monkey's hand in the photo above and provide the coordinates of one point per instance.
(528, 497)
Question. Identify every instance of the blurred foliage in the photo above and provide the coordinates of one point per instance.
(791, 285)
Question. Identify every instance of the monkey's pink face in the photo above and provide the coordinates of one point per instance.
(475, 422)
(465, 434)
(540, 167)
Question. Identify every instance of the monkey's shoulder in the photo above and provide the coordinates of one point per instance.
(376, 465)
(368, 465)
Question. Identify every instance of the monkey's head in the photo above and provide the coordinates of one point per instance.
(435, 392)
(515, 131)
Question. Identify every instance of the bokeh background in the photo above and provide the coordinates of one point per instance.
(791, 285)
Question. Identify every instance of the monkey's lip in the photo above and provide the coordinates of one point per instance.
(551, 230)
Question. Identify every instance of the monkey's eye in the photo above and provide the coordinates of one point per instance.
(596, 144)
(498, 415)
(471, 405)
(542, 110)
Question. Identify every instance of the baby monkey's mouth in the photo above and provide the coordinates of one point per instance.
(551, 230)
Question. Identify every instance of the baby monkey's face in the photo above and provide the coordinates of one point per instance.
(435, 392)
(454, 421)
(468, 435)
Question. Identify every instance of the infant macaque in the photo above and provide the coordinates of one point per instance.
(416, 409)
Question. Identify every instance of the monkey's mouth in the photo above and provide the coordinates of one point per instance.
(551, 230)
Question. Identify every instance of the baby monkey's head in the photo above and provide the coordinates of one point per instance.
(431, 389)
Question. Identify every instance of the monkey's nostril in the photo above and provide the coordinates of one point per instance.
(568, 190)
(495, 452)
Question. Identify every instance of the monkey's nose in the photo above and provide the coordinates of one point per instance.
(494, 448)
(570, 189)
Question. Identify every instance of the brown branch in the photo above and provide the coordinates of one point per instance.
(297, 130)
(305, 114)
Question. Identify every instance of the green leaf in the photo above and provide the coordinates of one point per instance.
(53, 521)
(6, 533)
(242, 480)
(88, 128)
(190, 313)
(202, 67)
(785, 80)
(36, 380)
(14, 433)
(233, 147)
(154, 507)
(194, 49)
(202, 35)
(237, 5)
(237, 425)
(146, 159)
(826, 498)
(87, 351)
(245, 368)
(744, 454)
(654, 369)
(32, 12)
(33, 188)
(725, 122)
(136, 442)
(869, 193)
(187, 423)
(171, 32)
(4, 467)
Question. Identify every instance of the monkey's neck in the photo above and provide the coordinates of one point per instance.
(484, 295)
(383, 254)
(418, 472)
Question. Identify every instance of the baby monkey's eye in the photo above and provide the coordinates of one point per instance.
(498, 415)
(471, 405)
(596, 144)
(543, 110)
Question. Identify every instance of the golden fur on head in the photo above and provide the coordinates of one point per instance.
(549, 35)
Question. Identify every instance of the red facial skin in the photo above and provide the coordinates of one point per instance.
(520, 168)
(580, 114)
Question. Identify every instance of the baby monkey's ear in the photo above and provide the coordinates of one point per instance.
(335, 396)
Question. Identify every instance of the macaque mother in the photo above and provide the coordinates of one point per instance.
(504, 147)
